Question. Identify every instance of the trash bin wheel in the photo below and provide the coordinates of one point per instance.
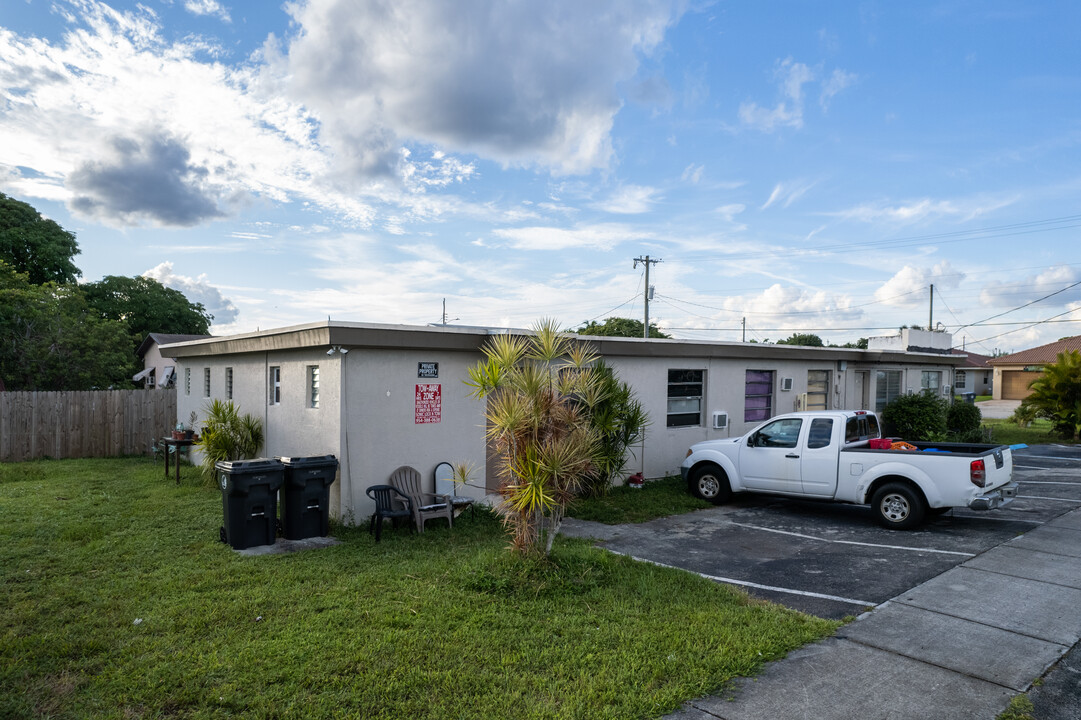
(221, 534)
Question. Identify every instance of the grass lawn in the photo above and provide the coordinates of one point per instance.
(1039, 432)
(658, 498)
(118, 601)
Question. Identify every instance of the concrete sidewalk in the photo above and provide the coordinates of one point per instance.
(958, 646)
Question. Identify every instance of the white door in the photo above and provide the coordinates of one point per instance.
(770, 459)
(818, 457)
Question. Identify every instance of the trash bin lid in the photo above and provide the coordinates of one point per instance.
(312, 461)
(254, 465)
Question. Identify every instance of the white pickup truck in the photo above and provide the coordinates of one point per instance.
(826, 456)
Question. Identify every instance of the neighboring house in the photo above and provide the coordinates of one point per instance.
(158, 371)
(975, 375)
(1014, 373)
(382, 396)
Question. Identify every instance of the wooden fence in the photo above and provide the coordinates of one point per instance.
(95, 423)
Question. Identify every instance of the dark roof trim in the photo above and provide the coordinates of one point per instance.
(164, 339)
(412, 337)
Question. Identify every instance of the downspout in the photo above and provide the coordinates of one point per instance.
(343, 437)
(266, 400)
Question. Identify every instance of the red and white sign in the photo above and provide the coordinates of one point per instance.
(429, 401)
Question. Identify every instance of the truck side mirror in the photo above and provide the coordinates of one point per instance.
(752, 439)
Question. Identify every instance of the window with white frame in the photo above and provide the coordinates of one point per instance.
(685, 397)
(959, 379)
(887, 388)
(931, 380)
(228, 383)
(187, 381)
(274, 384)
(758, 396)
(206, 382)
(313, 386)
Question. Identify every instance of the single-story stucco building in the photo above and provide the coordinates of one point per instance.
(159, 371)
(382, 396)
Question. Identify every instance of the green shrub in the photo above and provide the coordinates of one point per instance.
(963, 422)
(228, 435)
(917, 417)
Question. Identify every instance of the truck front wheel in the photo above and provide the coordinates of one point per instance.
(708, 482)
(898, 506)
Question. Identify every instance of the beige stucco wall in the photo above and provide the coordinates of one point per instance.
(381, 422)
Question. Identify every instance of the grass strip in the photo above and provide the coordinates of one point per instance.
(118, 601)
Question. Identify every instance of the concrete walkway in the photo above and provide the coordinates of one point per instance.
(958, 646)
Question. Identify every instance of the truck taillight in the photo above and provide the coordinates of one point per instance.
(977, 473)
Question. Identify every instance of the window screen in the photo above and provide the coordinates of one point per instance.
(758, 402)
(818, 384)
(887, 388)
(685, 397)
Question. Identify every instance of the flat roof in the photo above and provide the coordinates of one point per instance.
(328, 333)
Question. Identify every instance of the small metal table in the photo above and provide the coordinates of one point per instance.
(167, 442)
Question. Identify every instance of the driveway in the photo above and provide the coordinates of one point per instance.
(832, 560)
(997, 409)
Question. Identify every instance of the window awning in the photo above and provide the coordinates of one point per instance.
(140, 375)
(167, 376)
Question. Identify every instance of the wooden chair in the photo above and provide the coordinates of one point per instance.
(424, 505)
(386, 507)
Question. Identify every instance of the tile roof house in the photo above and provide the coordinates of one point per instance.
(1015, 372)
(975, 375)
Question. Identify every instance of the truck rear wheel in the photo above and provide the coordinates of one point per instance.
(898, 506)
(708, 482)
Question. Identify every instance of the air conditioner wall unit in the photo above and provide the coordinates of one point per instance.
(786, 384)
(720, 420)
(946, 389)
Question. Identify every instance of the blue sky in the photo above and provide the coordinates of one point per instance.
(811, 167)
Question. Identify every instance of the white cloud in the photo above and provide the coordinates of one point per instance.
(320, 116)
(788, 112)
(910, 285)
(791, 76)
(693, 173)
(207, 7)
(595, 237)
(196, 290)
(521, 83)
(728, 212)
(629, 200)
(788, 193)
(1033, 287)
(837, 81)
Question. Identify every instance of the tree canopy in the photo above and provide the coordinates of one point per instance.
(35, 245)
(51, 340)
(144, 306)
(619, 327)
(807, 339)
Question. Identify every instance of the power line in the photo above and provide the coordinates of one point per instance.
(1072, 285)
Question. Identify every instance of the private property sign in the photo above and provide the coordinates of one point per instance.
(429, 399)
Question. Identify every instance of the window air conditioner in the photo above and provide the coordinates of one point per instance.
(946, 389)
(720, 420)
(786, 384)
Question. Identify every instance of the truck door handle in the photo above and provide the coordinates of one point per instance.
(792, 455)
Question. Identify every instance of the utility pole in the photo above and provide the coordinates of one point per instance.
(931, 311)
(744, 330)
(647, 261)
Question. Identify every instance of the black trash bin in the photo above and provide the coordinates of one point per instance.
(306, 496)
(249, 496)
(969, 397)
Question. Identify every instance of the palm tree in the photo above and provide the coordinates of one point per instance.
(1056, 395)
(538, 417)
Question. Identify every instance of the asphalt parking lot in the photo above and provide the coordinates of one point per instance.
(833, 560)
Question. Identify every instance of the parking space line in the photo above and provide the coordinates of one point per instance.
(1038, 497)
(1038, 467)
(854, 542)
(745, 583)
(1049, 457)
